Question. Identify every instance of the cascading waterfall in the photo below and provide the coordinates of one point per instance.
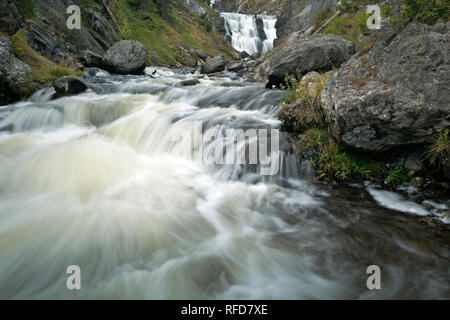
(253, 34)
(247, 36)
(106, 180)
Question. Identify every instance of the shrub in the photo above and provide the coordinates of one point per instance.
(302, 109)
(25, 7)
(426, 11)
(332, 163)
(439, 147)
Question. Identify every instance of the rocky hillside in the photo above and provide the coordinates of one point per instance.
(175, 33)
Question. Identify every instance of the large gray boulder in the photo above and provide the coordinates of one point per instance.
(395, 95)
(10, 19)
(315, 53)
(126, 57)
(216, 64)
(13, 73)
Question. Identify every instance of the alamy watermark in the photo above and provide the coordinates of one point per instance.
(73, 281)
(74, 20)
(374, 17)
(232, 146)
(374, 280)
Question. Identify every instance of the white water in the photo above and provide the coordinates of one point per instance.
(244, 34)
(101, 180)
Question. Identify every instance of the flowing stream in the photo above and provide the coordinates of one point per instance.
(106, 180)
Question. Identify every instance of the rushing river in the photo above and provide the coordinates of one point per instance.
(106, 181)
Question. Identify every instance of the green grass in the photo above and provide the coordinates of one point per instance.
(305, 118)
(44, 70)
(166, 35)
(333, 163)
(350, 26)
(308, 112)
(439, 147)
(25, 7)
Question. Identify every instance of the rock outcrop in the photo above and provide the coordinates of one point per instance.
(13, 73)
(314, 53)
(10, 18)
(213, 65)
(395, 95)
(126, 57)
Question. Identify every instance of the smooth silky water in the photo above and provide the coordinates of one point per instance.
(104, 180)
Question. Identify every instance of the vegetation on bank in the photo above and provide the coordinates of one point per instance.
(303, 115)
(439, 149)
(44, 70)
(166, 30)
(351, 23)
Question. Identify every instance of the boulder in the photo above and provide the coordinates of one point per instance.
(91, 59)
(235, 66)
(10, 19)
(216, 64)
(13, 73)
(195, 8)
(321, 52)
(244, 55)
(200, 54)
(126, 57)
(68, 86)
(393, 96)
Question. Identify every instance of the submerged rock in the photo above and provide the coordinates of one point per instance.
(315, 53)
(395, 95)
(126, 57)
(190, 82)
(216, 64)
(68, 86)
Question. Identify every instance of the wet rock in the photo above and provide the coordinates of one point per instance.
(190, 82)
(417, 182)
(10, 19)
(395, 95)
(260, 27)
(91, 59)
(413, 164)
(216, 64)
(126, 57)
(235, 66)
(315, 53)
(68, 86)
(13, 73)
(244, 55)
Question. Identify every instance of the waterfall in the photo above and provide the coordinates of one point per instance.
(253, 34)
